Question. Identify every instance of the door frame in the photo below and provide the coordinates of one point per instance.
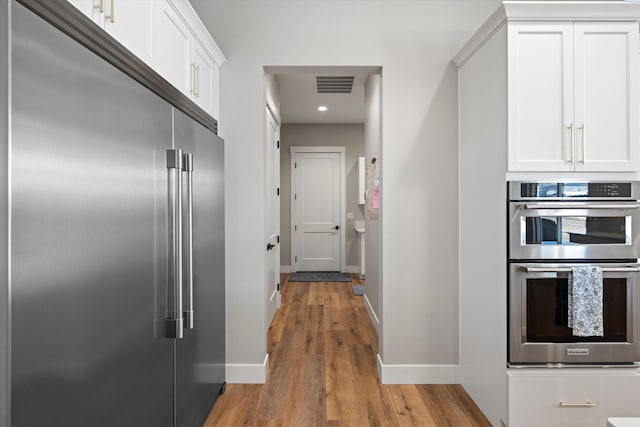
(343, 190)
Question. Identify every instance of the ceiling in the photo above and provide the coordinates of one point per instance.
(299, 100)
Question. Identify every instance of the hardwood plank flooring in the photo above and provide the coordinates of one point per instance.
(322, 354)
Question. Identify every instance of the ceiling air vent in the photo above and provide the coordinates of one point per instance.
(334, 84)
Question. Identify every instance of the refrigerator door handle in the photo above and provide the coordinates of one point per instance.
(187, 167)
(174, 192)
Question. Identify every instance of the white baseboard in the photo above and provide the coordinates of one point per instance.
(246, 373)
(285, 269)
(351, 269)
(372, 313)
(418, 374)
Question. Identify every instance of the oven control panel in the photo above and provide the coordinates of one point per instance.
(573, 190)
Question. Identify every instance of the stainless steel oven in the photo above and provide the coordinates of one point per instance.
(556, 228)
(574, 220)
(538, 331)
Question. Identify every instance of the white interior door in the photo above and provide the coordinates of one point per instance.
(272, 218)
(317, 199)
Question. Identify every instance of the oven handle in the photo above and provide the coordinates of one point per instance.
(568, 269)
(574, 205)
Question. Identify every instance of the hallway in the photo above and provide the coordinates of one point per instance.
(322, 350)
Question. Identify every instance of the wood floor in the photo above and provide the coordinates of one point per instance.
(322, 355)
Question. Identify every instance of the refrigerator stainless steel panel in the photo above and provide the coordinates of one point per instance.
(89, 235)
(200, 355)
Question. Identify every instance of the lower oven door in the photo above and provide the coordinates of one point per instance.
(538, 316)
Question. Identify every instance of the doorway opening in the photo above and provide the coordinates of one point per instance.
(329, 143)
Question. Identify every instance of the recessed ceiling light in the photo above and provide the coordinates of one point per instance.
(322, 108)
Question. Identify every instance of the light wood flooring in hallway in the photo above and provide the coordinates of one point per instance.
(322, 354)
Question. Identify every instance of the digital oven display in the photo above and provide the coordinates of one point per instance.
(575, 190)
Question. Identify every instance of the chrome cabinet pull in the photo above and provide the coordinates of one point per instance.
(175, 320)
(187, 167)
(573, 145)
(111, 17)
(581, 129)
(197, 81)
(193, 78)
(629, 269)
(577, 405)
(578, 205)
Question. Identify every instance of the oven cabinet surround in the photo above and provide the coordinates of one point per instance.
(484, 147)
(170, 37)
(573, 96)
(572, 397)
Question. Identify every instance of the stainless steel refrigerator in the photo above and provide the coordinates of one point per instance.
(112, 226)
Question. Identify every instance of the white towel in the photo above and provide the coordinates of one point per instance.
(585, 301)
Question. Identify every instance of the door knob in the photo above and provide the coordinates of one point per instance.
(270, 246)
(337, 227)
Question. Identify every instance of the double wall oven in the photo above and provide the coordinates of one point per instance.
(555, 228)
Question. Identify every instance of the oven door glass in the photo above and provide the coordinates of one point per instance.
(558, 231)
(539, 329)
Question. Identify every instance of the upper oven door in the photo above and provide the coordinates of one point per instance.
(574, 230)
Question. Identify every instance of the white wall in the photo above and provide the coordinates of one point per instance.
(413, 41)
(350, 136)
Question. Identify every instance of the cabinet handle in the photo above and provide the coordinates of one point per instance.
(578, 405)
(99, 6)
(573, 145)
(197, 81)
(111, 17)
(193, 78)
(581, 128)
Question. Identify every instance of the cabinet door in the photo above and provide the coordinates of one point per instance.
(606, 96)
(171, 39)
(204, 82)
(571, 400)
(540, 100)
(130, 22)
(93, 9)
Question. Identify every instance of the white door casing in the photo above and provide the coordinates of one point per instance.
(272, 216)
(317, 208)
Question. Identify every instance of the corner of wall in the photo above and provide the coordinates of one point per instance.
(247, 373)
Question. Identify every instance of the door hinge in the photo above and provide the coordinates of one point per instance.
(278, 286)
(295, 197)
(295, 259)
(278, 238)
(295, 165)
(295, 228)
(278, 191)
(278, 144)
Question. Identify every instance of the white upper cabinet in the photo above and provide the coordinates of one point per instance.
(573, 101)
(171, 46)
(168, 36)
(127, 21)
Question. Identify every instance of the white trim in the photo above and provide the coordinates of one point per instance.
(285, 269)
(486, 31)
(572, 10)
(247, 373)
(372, 313)
(417, 374)
(351, 269)
(343, 195)
(198, 29)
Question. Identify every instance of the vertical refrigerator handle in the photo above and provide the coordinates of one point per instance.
(187, 167)
(174, 201)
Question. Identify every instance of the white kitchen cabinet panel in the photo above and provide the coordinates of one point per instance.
(171, 46)
(606, 96)
(572, 400)
(540, 80)
(573, 98)
(127, 21)
(204, 79)
(131, 23)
